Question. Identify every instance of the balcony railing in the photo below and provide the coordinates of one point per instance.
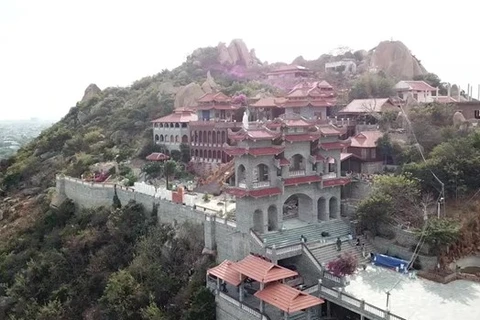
(296, 173)
(330, 175)
(261, 184)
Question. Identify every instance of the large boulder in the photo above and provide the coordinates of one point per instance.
(188, 95)
(396, 60)
(209, 85)
(91, 92)
(236, 53)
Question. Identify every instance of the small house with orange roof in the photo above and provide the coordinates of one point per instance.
(363, 155)
(421, 91)
(255, 281)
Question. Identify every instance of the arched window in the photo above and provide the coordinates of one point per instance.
(157, 137)
(161, 138)
(172, 138)
(177, 139)
(184, 138)
(209, 154)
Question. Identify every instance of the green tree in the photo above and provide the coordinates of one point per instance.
(116, 200)
(152, 312)
(372, 86)
(169, 169)
(374, 211)
(153, 169)
(439, 234)
(53, 310)
(404, 192)
(185, 153)
(433, 80)
(202, 307)
(120, 299)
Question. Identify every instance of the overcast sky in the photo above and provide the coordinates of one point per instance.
(51, 50)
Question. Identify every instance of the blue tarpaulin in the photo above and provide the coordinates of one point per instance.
(390, 262)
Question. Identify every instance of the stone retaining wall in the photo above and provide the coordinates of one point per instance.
(219, 234)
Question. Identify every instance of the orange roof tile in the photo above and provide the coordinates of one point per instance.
(178, 116)
(261, 270)
(225, 272)
(287, 298)
(366, 139)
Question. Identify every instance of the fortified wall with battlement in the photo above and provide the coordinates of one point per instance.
(220, 235)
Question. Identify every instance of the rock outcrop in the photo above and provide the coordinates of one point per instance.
(396, 60)
(209, 85)
(236, 53)
(92, 91)
(188, 95)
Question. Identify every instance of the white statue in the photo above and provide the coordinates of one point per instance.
(245, 120)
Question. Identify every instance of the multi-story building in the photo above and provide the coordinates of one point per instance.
(283, 171)
(216, 114)
(290, 71)
(172, 130)
(421, 91)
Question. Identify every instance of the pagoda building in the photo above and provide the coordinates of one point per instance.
(310, 99)
(287, 168)
(216, 114)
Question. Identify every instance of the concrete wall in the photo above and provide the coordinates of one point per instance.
(229, 311)
(220, 235)
(389, 247)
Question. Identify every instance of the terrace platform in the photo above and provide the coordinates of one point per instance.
(416, 299)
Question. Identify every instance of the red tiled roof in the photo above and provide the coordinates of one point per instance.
(445, 99)
(301, 180)
(157, 156)
(331, 130)
(301, 137)
(227, 106)
(261, 270)
(334, 145)
(368, 106)
(267, 192)
(414, 86)
(306, 103)
(225, 272)
(284, 162)
(256, 193)
(265, 151)
(178, 116)
(336, 182)
(254, 134)
(269, 102)
(286, 298)
(213, 96)
(366, 139)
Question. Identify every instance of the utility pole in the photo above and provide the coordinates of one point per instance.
(388, 301)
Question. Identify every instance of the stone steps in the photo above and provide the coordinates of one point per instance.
(327, 253)
(313, 233)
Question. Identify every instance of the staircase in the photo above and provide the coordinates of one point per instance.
(222, 174)
(313, 233)
(325, 253)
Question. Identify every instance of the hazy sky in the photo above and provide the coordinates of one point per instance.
(50, 51)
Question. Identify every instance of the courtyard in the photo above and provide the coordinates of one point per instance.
(416, 299)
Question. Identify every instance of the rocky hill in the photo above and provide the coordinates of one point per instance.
(86, 249)
(396, 60)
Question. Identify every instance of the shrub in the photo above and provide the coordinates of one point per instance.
(346, 264)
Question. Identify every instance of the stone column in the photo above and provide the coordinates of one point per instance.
(338, 167)
(314, 214)
(240, 292)
(262, 304)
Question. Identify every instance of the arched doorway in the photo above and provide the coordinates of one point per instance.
(241, 177)
(272, 218)
(322, 209)
(260, 174)
(258, 221)
(334, 207)
(298, 206)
